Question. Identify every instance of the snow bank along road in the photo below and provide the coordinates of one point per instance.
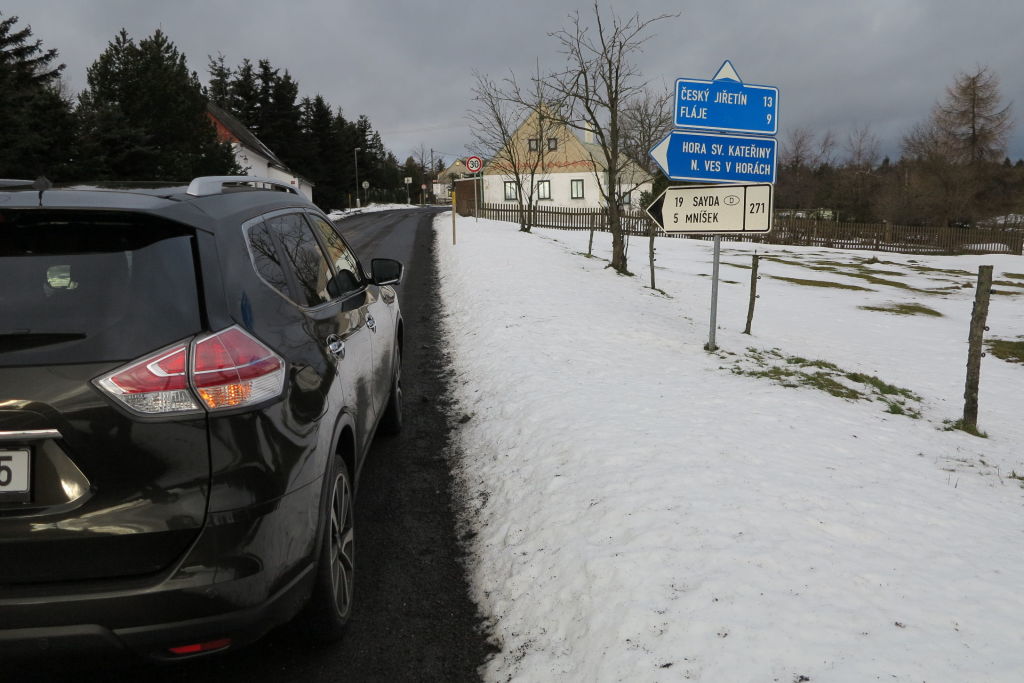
(789, 509)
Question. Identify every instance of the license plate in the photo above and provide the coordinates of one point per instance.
(15, 474)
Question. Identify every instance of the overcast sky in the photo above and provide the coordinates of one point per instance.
(407, 64)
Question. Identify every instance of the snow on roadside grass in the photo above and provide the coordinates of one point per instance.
(642, 511)
(337, 214)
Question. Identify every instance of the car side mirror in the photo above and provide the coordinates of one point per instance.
(386, 271)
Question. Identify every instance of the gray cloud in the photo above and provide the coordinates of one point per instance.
(408, 65)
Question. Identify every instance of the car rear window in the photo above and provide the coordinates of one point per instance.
(99, 290)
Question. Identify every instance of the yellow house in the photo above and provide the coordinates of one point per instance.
(565, 170)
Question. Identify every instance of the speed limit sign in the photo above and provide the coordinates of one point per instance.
(474, 164)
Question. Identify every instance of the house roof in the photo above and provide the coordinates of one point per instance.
(573, 156)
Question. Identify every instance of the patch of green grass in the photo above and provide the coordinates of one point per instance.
(796, 371)
(1008, 283)
(904, 309)
(1006, 292)
(879, 281)
(883, 387)
(804, 363)
(1016, 276)
(820, 283)
(736, 265)
(953, 425)
(824, 382)
(947, 271)
(1004, 349)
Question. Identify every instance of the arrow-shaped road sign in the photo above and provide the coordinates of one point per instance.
(710, 158)
(726, 103)
(714, 209)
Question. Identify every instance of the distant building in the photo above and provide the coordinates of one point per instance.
(443, 183)
(255, 158)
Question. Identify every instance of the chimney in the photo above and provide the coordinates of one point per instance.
(588, 133)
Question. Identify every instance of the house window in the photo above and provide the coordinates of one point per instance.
(510, 191)
(576, 188)
(624, 199)
(552, 144)
(534, 144)
(544, 189)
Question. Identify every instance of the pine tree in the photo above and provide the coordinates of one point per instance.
(36, 125)
(243, 99)
(144, 115)
(218, 90)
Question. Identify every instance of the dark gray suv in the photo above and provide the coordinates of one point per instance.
(190, 379)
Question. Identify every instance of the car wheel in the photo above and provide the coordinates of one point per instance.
(331, 603)
(391, 421)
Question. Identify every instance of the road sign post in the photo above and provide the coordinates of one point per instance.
(721, 136)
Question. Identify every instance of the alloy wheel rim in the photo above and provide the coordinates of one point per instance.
(342, 546)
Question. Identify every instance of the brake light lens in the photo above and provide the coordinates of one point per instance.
(232, 369)
(154, 385)
(229, 369)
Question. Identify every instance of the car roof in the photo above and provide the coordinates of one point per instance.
(204, 203)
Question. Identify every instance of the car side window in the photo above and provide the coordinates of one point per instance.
(285, 245)
(267, 258)
(347, 278)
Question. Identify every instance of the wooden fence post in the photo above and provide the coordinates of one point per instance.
(974, 353)
(654, 230)
(753, 292)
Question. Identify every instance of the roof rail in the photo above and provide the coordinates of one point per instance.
(207, 185)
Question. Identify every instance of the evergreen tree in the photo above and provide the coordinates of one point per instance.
(219, 89)
(243, 96)
(36, 124)
(144, 115)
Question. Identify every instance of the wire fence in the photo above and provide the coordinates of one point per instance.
(786, 230)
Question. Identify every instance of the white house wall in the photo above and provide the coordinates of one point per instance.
(255, 164)
(561, 190)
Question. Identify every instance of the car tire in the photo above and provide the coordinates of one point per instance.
(330, 605)
(391, 420)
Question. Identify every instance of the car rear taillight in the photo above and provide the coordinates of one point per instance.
(232, 369)
(228, 369)
(154, 385)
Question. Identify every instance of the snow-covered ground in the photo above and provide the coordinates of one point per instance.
(642, 510)
(337, 214)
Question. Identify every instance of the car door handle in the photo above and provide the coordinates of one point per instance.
(371, 323)
(335, 346)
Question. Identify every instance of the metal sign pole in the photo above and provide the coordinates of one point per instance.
(714, 294)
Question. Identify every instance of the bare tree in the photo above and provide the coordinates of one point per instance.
(597, 84)
(862, 148)
(511, 125)
(951, 155)
(645, 121)
(534, 136)
(971, 119)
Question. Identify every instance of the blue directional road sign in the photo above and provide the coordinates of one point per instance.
(713, 158)
(727, 104)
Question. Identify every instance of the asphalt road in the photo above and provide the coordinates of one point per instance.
(413, 619)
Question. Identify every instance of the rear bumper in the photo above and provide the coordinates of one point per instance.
(248, 571)
(153, 641)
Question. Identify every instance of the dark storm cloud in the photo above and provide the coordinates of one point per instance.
(408, 65)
